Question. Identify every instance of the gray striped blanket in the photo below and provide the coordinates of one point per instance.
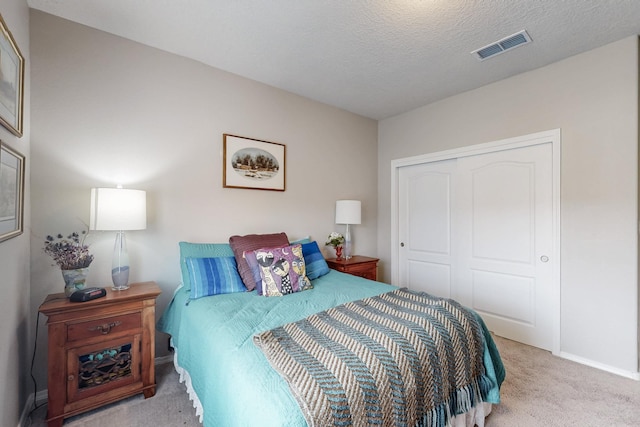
(403, 358)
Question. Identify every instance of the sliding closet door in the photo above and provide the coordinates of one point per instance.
(425, 226)
(504, 229)
(479, 228)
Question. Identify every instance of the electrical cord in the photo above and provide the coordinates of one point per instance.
(33, 378)
(33, 359)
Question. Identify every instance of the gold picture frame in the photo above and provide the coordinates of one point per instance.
(11, 81)
(253, 164)
(11, 192)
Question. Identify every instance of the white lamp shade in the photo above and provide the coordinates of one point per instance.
(348, 211)
(118, 209)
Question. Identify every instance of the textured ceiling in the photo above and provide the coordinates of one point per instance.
(376, 58)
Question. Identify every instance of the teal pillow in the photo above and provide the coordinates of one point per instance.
(200, 250)
(315, 263)
(302, 241)
(213, 276)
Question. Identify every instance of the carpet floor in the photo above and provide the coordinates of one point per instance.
(540, 390)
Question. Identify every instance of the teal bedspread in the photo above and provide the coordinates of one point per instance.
(233, 380)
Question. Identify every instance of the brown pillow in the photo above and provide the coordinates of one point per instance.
(251, 242)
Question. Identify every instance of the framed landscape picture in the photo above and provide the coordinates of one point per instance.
(11, 192)
(11, 81)
(252, 163)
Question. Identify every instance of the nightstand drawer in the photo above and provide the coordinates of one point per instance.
(357, 266)
(366, 271)
(105, 326)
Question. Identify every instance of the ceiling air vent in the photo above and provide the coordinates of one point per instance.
(501, 46)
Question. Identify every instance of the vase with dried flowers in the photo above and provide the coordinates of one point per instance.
(72, 255)
(336, 240)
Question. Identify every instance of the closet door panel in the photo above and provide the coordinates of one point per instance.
(425, 227)
(504, 241)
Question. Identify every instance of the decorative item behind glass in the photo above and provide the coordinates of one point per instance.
(11, 192)
(104, 366)
(11, 81)
(252, 163)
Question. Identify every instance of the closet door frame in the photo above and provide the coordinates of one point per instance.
(551, 136)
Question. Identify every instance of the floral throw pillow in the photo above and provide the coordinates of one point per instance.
(282, 270)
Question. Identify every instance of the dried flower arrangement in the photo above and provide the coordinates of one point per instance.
(70, 253)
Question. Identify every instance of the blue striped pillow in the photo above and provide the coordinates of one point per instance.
(314, 261)
(200, 250)
(213, 276)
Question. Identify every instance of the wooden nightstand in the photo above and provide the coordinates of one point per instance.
(357, 265)
(101, 350)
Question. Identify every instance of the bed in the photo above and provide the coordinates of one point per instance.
(219, 356)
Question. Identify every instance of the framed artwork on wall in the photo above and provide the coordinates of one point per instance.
(11, 81)
(252, 163)
(11, 192)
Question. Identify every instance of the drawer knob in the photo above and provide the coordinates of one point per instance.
(70, 378)
(106, 328)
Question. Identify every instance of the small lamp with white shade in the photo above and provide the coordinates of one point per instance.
(120, 210)
(348, 212)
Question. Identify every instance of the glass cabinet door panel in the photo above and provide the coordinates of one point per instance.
(97, 368)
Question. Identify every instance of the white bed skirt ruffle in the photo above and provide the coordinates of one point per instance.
(186, 379)
(475, 417)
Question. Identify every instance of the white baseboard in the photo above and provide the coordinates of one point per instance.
(25, 412)
(623, 373)
(42, 396)
(164, 359)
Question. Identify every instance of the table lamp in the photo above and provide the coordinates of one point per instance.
(348, 212)
(120, 210)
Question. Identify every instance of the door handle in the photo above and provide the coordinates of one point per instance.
(402, 244)
(544, 258)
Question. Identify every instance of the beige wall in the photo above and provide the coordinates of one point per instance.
(107, 110)
(593, 99)
(15, 317)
